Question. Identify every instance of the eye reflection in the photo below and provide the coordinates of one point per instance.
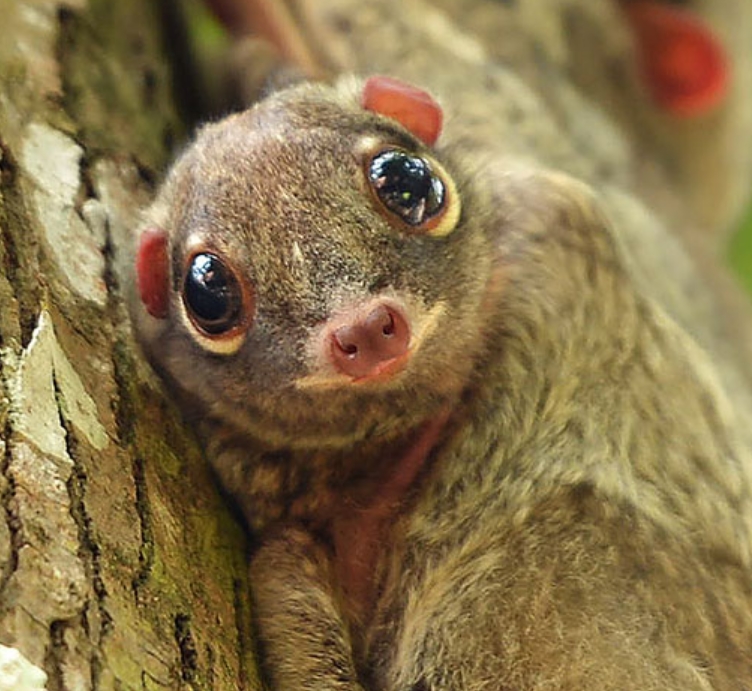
(407, 186)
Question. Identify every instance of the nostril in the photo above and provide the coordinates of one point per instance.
(388, 328)
(380, 321)
(346, 340)
(349, 349)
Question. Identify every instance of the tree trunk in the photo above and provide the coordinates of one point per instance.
(121, 567)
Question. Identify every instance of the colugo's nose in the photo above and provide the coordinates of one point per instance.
(365, 345)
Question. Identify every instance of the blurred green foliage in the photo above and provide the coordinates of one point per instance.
(204, 27)
(740, 251)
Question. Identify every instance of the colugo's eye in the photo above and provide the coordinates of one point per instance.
(414, 190)
(213, 295)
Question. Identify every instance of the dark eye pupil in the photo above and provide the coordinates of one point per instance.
(407, 186)
(212, 294)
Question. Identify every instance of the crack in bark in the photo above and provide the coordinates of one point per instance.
(110, 274)
(53, 662)
(66, 42)
(123, 410)
(187, 647)
(125, 414)
(89, 550)
(13, 215)
(146, 549)
(8, 175)
(21, 253)
(6, 500)
(242, 628)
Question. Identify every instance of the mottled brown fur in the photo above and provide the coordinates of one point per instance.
(581, 516)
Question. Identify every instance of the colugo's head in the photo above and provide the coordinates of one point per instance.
(311, 269)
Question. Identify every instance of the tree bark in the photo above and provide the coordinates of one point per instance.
(120, 565)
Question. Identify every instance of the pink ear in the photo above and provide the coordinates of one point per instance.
(152, 271)
(683, 63)
(413, 108)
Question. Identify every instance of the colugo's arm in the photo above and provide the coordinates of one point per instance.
(306, 643)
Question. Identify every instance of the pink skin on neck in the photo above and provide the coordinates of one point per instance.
(361, 533)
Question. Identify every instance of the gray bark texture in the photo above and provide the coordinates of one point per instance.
(120, 565)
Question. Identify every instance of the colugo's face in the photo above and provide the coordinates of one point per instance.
(311, 269)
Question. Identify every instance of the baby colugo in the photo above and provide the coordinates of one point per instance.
(471, 453)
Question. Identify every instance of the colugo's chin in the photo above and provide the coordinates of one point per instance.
(337, 418)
